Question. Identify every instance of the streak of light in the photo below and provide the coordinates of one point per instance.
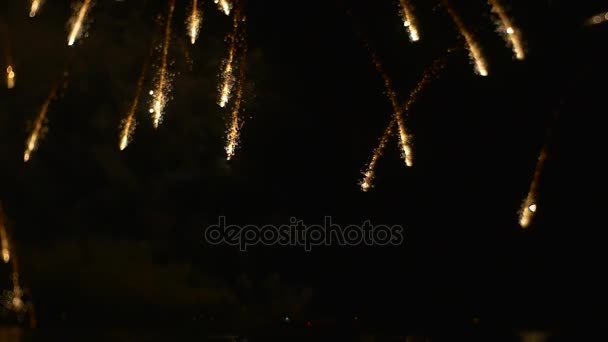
(78, 20)
(161, 93)
(530, 205)
(224, 6)
(38, 127)
(510, 33)
(194, 22)
(474, 49)
(597, 19)
(369, 174)
(4, 242)
(228, 79)
(234, 129)
(129, 123)
(409, 21)
(10, 77)
(35, 7)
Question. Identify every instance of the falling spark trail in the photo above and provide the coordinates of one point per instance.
(6, 251)
(529, 205)
(511, 34)
(35, 6)
(597, 19)
(409, 21)
(32, 140)
(478, 58)
(194, 22)
(228, 73)
(235, 124)
(128, 126)
(78, 22)
(369, 173)
(162, 87)
(10, 77)
(224, 6)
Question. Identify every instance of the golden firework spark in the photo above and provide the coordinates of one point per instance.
(511, 33)
(409, 21)
(161, 93)
(369, 174)
(78, 21)
(4, 243)
(224, 6)
(474, 49)
(597, 19)
(228, 80)
(34, 7)
(129, 123)
(236, 123)
(194, 22)
(37, 129)
(10, 77)
(530, 204)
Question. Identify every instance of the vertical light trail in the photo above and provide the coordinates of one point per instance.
(409, 21)
(510, 33)
(4, 242)
(369, 174)
(228, 80)
(10, 77)
(32, 140)
(475, 52)
(78, 21)
(236, 122)
(34, 7)
(224, 6)
(129, 123)
(194, 22)
(160, 94)
(530, 205)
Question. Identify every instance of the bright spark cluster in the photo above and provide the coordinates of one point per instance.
(10, 77)
(35, 7)
(78, 21)
(530, 205)
(409, 21)
(508, 30)
(228, 78)
(195, 21)
(224, 6)
(160, 94)
(474, 49)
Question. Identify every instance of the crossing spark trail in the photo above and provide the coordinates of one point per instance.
(194, 22)
(160, 94)
(530, 205)
(511, 33)
(78, 21)
(224, 6)
(369, 174)
(228, 79)
(129, 123)
(35, 7)
(38, 127)
(474, 49)
(409, 21)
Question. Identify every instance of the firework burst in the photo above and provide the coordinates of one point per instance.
(77, 21)
(161, 93)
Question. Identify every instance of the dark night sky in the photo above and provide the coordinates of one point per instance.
(100, 230)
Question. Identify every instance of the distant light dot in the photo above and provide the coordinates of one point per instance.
(151, 92)
(151, 110)
(510, 30)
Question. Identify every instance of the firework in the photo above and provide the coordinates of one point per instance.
(409, 21)
(530, 205)
(4, 243)
(77, 21)
(194, 22)
(228, 80)
(129, 123)
(37, 129)
(224, 6)
(236, 123)
(10, 77)
(597, 19)
(369, 173)
(506, 28)
(160, 94)
(34, 7)
(475, 52)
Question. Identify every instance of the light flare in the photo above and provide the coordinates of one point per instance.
(38, 127)
(409, 21)
(530, 205)
(35, 7)
(194, 22)
(369, 174)
(224, 6)
(479, 60)
(78, 20)
(10, 77)
(161, 93)
(510, 33)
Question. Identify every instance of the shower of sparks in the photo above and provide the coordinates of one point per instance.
(236, 122)
(38, 127)
(369, 174)
(511, 33)
(10, 77)
(409, 21)
(597, 19)
(161, 93)
(78, 21)
(194, 22)
(4, 243)
(224, 6)
(228, 79)
(35, 6)
(530, 204)
(129, 123)
(475, 52)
